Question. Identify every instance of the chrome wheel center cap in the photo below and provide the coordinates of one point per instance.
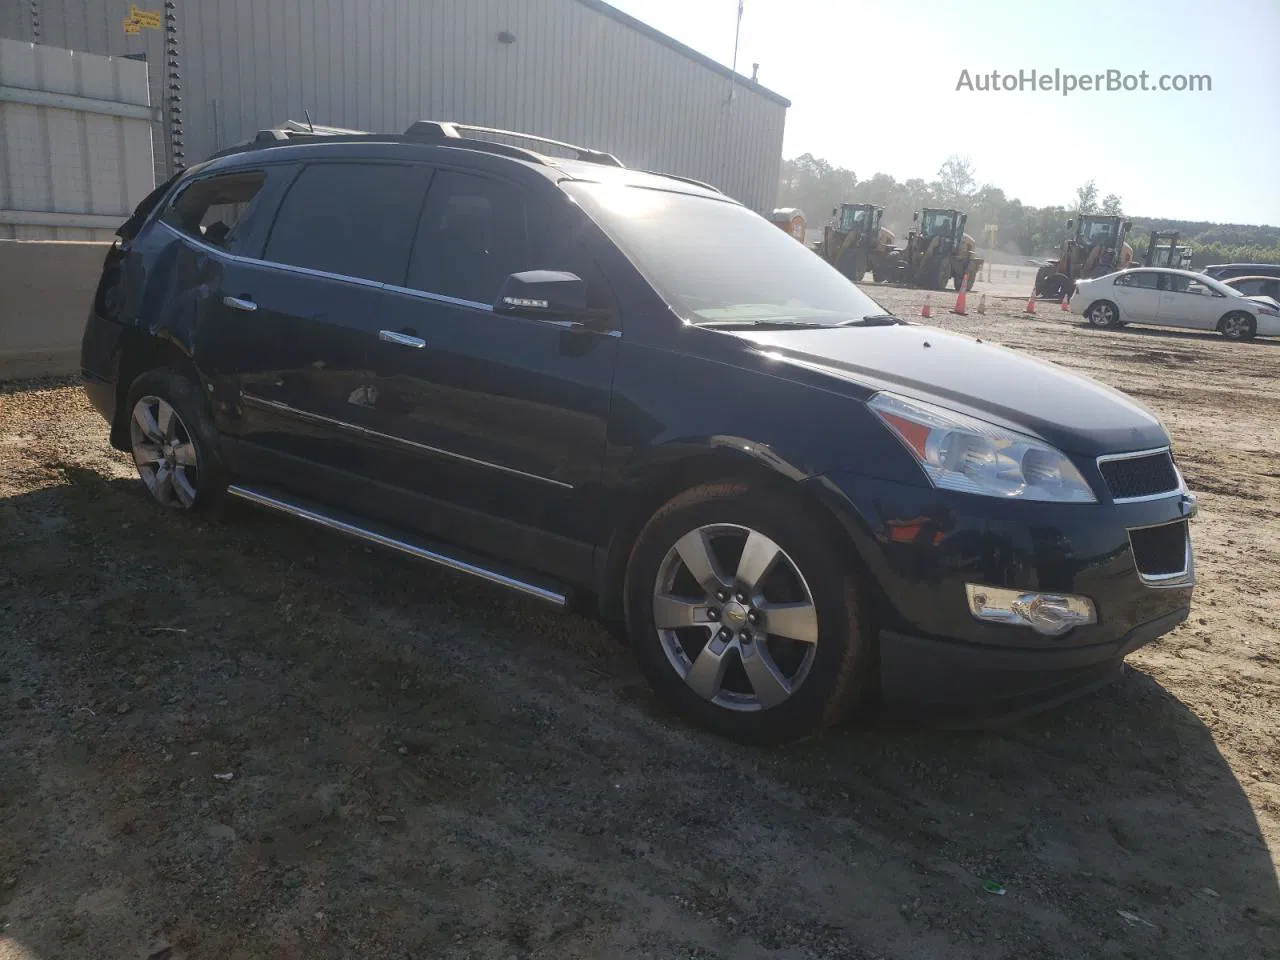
(734, 615)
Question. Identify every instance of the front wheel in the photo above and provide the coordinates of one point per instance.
(1104, 315)
(745, 613)
(1238, 326)
(173, 441)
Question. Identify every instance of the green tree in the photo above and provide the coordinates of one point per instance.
(1087, 197)
(1111, 205)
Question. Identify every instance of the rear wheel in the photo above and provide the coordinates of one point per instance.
(173, 441)
(745, 614)
(853, 264)
(1055, 287)
(1103, 314)
(1238, 326)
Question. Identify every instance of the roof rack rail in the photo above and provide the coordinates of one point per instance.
(448, 130)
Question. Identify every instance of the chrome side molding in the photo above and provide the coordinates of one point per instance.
(402, 544)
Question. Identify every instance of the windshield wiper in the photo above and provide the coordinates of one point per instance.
(879, 320)
(764, 324)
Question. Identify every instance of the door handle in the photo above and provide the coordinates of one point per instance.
(401, 339)
(240, 303)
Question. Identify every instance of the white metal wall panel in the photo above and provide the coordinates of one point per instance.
(69, 168)
(575, 72)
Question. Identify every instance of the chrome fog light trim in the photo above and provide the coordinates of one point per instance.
(1051, 614)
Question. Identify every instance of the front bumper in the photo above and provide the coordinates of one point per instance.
(921, 546)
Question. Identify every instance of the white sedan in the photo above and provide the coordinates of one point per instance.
(1173, 298)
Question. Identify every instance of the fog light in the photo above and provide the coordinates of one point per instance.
(1049, 613)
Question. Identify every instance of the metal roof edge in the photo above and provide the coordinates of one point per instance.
(599, 6)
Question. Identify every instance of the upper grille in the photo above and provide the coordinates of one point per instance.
(1148, 475)
(1160, 551)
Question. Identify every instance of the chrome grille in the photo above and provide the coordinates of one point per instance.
(1136, 476)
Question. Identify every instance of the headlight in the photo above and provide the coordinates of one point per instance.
(962, 453)
(1268, 312)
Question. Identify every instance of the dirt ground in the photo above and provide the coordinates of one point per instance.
(238, 736)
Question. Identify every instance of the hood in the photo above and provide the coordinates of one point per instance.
(1071, 412)
(1265, 301)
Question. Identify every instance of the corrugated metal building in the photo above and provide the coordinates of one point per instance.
(575, 70)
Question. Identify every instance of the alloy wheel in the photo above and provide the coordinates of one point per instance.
(164, 452)
(744, 640)
(1102, 315)
(1235, 326)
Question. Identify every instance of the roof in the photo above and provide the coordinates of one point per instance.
(599, 6)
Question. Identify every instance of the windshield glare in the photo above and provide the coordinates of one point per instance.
(717, 262)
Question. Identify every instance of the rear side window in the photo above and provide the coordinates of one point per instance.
(211, 210)
(473, 233)
(353, 219)
(1147, 281)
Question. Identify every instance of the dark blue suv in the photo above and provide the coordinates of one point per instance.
(581, 381)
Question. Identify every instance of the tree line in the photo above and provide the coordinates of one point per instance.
(816, 187)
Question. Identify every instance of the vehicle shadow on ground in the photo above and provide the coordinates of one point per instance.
(419, 761)
(1199, 336)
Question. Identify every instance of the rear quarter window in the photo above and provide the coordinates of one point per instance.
(214, 210)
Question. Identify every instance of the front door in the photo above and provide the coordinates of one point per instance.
(499, 420)
(1187, 303)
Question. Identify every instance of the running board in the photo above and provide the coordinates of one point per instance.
(447, 557)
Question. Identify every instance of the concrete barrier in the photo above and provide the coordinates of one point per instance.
(46, 290)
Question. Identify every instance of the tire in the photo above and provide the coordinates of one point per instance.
(1042, 277)
(174, 443)
(1103, 314)
(944, 274)
(852, 264)
(1055, 287)
(742, 700)
(1238, 325)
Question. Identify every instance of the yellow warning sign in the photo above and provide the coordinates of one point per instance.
(139, 19)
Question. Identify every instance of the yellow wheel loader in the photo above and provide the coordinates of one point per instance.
(937, 251)
(1096, 247)
(854, 242)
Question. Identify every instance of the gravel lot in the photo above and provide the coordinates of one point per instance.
(241, 737)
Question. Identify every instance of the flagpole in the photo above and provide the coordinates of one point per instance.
(737, 32)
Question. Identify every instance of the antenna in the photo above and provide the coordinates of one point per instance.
(307, 113)
(737, 33)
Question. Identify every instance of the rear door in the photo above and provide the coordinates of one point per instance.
(498, 421)
(1137, 295)
(302, 315)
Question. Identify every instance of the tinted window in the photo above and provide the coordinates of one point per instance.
(354, 219)
(1146, 281)
(1174, 282)
(473, 233)
(1249, 287)
(212, 209)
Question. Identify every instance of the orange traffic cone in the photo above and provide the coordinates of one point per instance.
(1031, 304)
(982, 304)
(959, 307)
(924, 309)
(1066, 306)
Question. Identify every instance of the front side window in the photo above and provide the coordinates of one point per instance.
(350, 219)
(474, 233)
(213, 209)
(717, 262)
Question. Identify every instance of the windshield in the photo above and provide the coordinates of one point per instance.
(1097, 232)
(937, 224)
(851, 218)
(718, 262)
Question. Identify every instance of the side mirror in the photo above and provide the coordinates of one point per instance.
(549, 294)
(915, 216)
(834, 211)
(1128, 225)
(1070, 222)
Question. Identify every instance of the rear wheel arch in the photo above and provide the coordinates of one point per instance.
(140, 352)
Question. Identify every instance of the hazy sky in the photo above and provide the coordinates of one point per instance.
(873, 88)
